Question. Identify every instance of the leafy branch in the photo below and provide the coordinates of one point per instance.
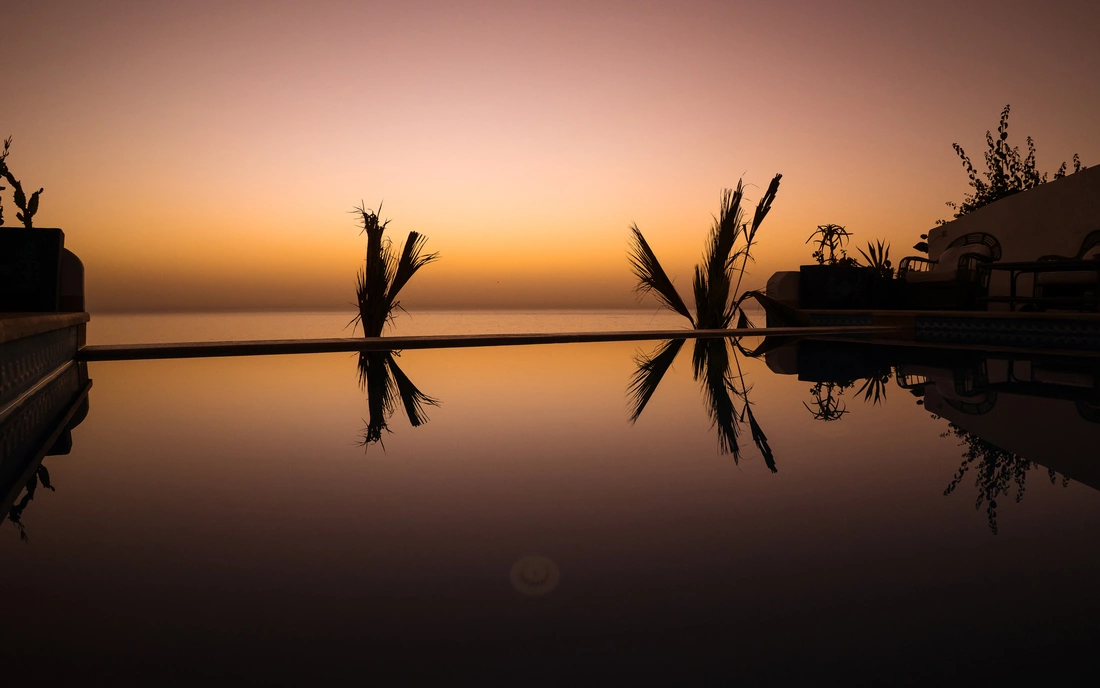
(27, 208)
(1007, 171)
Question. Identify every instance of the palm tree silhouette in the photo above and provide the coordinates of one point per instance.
(717, 303)
(384, 272)
(717, 278)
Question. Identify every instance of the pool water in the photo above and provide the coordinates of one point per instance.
(260, 520)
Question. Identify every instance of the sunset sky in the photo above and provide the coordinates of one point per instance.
(206, 154)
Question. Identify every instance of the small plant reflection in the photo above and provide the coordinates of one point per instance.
(41, 476)
(873, 388)
(827, 403)
(386, 385)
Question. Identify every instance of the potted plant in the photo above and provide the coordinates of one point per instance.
(837, 281)
(883, 290)
(30, 258)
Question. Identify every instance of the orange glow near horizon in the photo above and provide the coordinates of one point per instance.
(205, 156)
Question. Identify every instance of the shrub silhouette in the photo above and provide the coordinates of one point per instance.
(1007, 173)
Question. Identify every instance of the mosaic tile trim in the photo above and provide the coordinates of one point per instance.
(1046, 334)
(24, 361)
(23, 430)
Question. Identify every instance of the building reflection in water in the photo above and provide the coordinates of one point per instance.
(37, 423)
(1012, 411)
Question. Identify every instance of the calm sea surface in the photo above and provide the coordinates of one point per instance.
(823, 511)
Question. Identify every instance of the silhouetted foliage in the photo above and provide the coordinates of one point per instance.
(41, 476)
(27, 208)
(922, 245)
(384, 272)
(717, 304)
(996, 471)
(712, 366)
(386, 385)
(1007, 172)
(651, 369)
(714, 285)
(878, 257)
(827, 403)
(873, 388)
(831, 238)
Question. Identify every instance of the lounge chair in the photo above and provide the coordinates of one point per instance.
(1080, 287)
(957, 279)
(960, 261)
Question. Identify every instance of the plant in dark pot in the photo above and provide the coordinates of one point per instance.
(837, 281)
(885, 291)
(33, 261)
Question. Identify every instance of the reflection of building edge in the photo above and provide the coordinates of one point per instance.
(1043, 407)
(37, 424)
(1076, 332)
(1050, 432)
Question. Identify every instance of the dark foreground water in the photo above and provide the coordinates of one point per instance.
(222, 521)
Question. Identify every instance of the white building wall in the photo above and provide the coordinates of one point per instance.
(1049, 219)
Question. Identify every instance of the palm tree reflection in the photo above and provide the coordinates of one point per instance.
(718, 304)
(725, 393)
(386, 384)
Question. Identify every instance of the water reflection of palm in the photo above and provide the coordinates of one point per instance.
(725, 393)
(715, 287)
(386, 385)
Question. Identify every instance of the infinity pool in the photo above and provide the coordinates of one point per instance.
(260, 520)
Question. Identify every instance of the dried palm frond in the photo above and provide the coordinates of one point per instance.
(712, 360)
(743, 322)
(763, 207)
(412, 259)
(376, 381)
(412, 398)
(651, 369)
(713, 278)
(759, 438)
(652, 277)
